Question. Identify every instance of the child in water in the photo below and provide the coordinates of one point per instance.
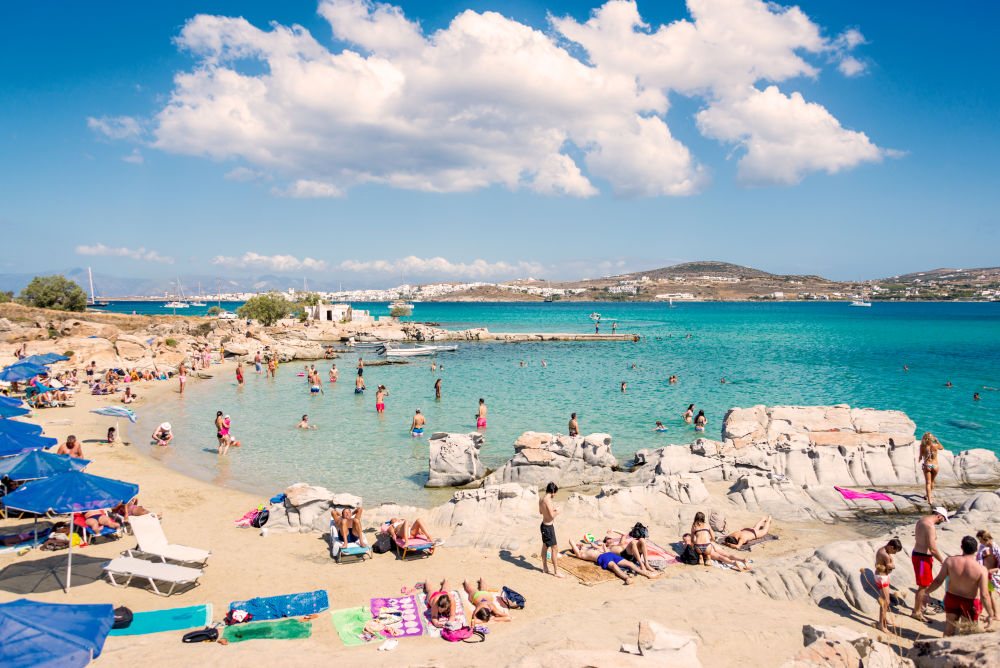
(659, 426)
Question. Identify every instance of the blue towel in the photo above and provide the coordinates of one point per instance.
(175, 619)
(278, 499)
(289, 605)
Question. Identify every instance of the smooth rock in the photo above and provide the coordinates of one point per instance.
(454, 459)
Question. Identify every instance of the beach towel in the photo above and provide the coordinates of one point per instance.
(286, 629)
(409, 611)
(350, 625)
(425, 613)
(587, 572)
(851, 494)
(174, 619)
(290, 605)
(658, 557)
(750, 544)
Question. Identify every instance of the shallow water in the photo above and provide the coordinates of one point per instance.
(787, 353)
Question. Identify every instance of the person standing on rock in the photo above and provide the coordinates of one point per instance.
(481, 414)
(925, 551)
(884, 565)
(929, 447)
(574, 428)
(967, 589)
(549, 511)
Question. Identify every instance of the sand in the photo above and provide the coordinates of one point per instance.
(736, 626)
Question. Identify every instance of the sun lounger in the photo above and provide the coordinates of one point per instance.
(151, 541)
(421, 545)
(339, 549)
(89, 534)
(153, 572)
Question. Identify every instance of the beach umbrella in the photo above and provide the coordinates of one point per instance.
(21, 372)
(67, 494)
(10, 401)
(18, 427)
(45, 358)
(37, 464)
(52, 634)
(15, 443)
(13, 411)
(116, 412)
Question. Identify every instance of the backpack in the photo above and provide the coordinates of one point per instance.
(639, 531)
(690, 556)
(123, 618)
(514, 600)
(383, 543)
(206, 634)
(462, 634)
(260, 519)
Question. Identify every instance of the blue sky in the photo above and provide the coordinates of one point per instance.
(849, 139)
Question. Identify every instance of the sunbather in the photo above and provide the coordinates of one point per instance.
(738, 539)
(348, 524)
(132, 509)
(441, 605)
(71, 447)
(486, 603)
(95, 519)
(633, 549)
(610, 561)
(402, 529)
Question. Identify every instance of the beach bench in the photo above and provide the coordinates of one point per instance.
(89, 534)
(150, 540)
(421, 546)
(339, 549)
(130, 567)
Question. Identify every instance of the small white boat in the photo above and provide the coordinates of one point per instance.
(444, 349)
(176, 305)
(366, 345)
(860, 302)
(198, 304)
(420, 351)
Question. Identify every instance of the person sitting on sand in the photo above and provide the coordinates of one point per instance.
(441, 605)
(111, 434)
(304, 423)
(610, 561)
(402, 529)
(348, 524)
(485, 602)
(163, 434)
(95, 519)
(738, 539)
(71, 447)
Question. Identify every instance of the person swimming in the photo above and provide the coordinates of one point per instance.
(689, 414)
(699, 422)
(659, 426)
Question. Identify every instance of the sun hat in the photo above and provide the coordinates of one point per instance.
(165, 426)
(942, 512)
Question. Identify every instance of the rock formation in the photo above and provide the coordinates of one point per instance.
(971, 651)
(454, 459)
(569, 461)
(307, 508)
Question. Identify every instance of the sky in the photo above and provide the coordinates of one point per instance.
(371, 143)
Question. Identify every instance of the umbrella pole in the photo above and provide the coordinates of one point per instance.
(69, 560)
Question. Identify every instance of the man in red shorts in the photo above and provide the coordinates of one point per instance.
(924, 553)
(968, 587)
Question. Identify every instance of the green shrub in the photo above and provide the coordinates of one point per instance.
(171, 342)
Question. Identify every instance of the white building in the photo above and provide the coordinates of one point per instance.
(339, 313)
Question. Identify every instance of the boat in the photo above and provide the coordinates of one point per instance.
(444, 349)
(92, 302)
(863, 302)
(366, 345)
(419, 351)
(178, 303)
(595, 316)
(199, 302)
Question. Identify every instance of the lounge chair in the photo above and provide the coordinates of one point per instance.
(421, 545)
(89, 534)
(339, 549)
(151, 541)
(169, 574)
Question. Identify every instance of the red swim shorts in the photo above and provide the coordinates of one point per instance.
(923, 569)
(961, 606)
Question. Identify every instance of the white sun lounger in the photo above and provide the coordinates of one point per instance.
(152, 572)
(150, 540)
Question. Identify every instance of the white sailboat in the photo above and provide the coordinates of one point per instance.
(178, 303)
(92, 301)
(199, 302)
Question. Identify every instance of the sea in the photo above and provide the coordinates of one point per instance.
(794, 353)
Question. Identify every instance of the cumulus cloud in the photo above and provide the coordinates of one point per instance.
(850, 66)
(135, 157)
(116, 127)
(270, 262)
(245, 174)
(135, 254)
(490, 101)
(440, 267)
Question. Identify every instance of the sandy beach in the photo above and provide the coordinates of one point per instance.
(718, 606)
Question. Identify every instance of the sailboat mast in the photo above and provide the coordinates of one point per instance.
(90, 275)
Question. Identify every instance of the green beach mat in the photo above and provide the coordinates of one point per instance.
(350, 623)
(286, 629)
(175, 619)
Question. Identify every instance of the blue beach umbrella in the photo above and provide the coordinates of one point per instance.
(69, 493)
(45, 358)
(18, 427)
(13, 411)
(37, 464)
(10, 401)
(22, 371)
(116, 412)
(52, 634)
(15, 444)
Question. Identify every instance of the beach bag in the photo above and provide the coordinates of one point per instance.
(717, 521)
(690, 556)
(514, 600)
(123, 618)
(206, 634)
(260, 519)
(462, 634)
(382, 544)
(237, 617)
(639, 531)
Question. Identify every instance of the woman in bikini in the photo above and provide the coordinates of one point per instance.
(929, 447)
(702, 537)
(441, 605)
(689, 413)
(738, 539)
(485, 602)
(699, 422)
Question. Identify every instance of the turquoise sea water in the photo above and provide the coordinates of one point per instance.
(784, 353)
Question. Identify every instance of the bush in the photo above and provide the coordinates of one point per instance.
(7, 296)
(215, 310)
(55, 292)
(204, 328)
(266, 309)
(171, 342)
(68, 353)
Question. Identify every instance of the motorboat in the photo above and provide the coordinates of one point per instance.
(176, 305)
(860, 302)
(444, 349)
(366, 345)
(419, 351)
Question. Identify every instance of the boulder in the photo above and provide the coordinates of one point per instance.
(454, 459)
(131, 348)
(307, 508)
(666, 646)
(970, 651)
(569, 461)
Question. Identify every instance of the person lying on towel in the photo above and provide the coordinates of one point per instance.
(739, 538)
(610, 561)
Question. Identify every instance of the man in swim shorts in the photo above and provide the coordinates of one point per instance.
(348, 525)
(481, 414)
(884, 565)
(967, 589)
(925, 551)
(549, 510)
(380, 394)
(304, 424)
(256, 362)
(574, 428)
(359, 385)
(610, 561)
(417, 426)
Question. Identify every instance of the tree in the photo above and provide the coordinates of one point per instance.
(307, 298)
(55, 292)
(266, 309)
(215, 310)
(6, 296)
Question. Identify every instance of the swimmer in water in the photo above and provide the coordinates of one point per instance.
(437, 389)
(975, 396)
(574, 428)
(417, 426)
(689, 414)
(723, 381)
(359, 384)
(522, 365)
(673, 379)
(948, 384)
(315, 383)
(624, 385)
(699, 422)
(543, 363)
(481, 413)
(380, 394)
(434, 367)
(906, 368)
(334, 374)
(304, 424)
(659, 426)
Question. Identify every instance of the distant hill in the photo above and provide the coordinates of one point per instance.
(980, 276)
(702, 268)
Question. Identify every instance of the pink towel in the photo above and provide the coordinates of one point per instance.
(851, 494)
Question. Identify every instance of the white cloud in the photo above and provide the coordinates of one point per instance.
(135, 254)
(135, 157)
(489, 101)
(304, 189)
(245, 174)
(116, 127)
(270, 262)
(439, 267)
(785, 137)
(851, 66)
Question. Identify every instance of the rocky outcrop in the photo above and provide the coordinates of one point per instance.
(569, 461)
(454, 459)
(969, 651)
(827, 646)
(307, 508)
